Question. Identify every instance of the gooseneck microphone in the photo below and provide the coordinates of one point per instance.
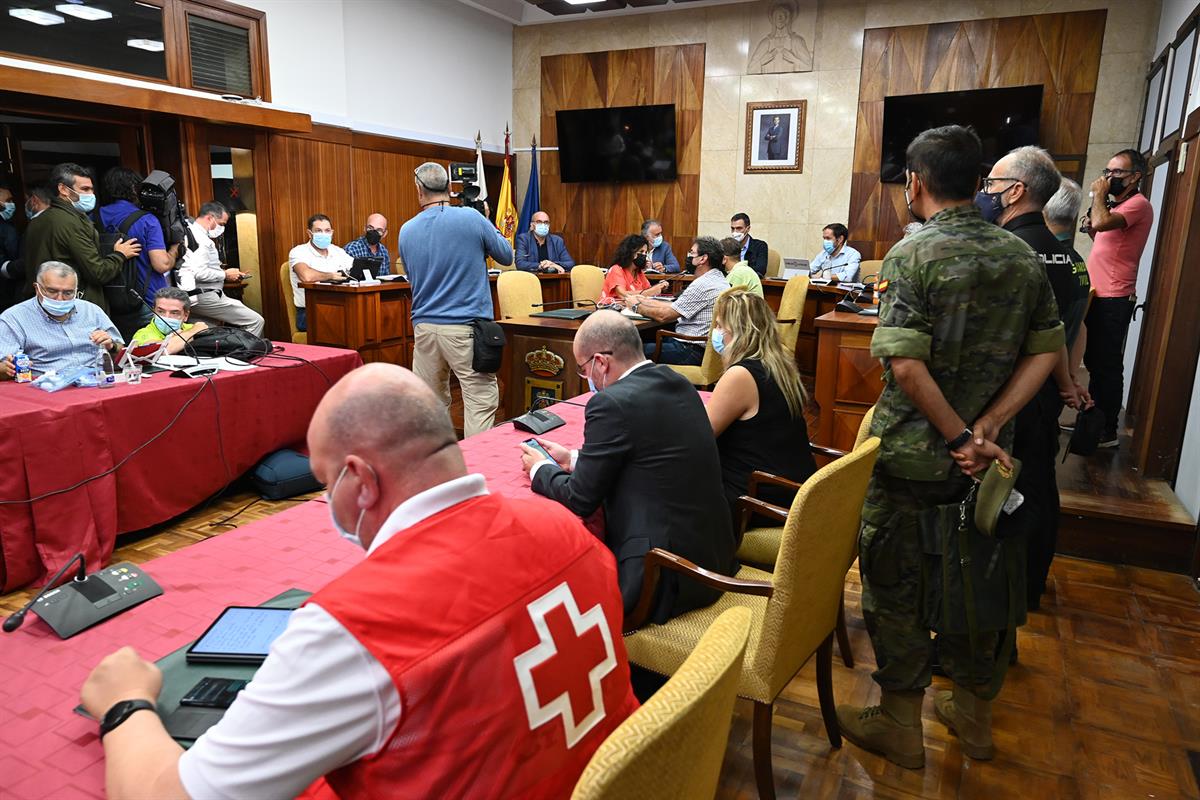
(17, 617)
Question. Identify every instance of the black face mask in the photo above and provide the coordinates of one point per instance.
(1116, 186)
(688, 265)
(908, 203)
(639, 261)
(373, 237)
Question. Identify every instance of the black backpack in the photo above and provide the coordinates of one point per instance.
(232, 342)
(117, 291)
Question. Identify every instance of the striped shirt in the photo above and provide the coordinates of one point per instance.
(695, 305)
(51, 343)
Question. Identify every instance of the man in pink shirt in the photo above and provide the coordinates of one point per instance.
(1119, 228)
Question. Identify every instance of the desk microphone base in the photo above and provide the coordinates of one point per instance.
(78, 605)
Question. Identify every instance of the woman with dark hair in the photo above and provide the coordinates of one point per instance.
(627, 275)
(757, 408)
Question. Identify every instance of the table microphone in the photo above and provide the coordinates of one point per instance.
(16, 618)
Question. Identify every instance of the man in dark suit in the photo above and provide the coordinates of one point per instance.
(657, 476)
(539, 250)
(754, 251)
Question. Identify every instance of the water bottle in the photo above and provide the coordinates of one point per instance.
(106, 373)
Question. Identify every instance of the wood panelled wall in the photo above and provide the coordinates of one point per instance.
(594, 217)
(346, 176)
(1059, 51)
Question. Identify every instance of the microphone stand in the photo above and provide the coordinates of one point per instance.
(15, 619)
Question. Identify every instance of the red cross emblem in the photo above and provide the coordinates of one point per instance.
(560, 675)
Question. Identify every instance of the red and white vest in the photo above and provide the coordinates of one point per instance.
(499, 621)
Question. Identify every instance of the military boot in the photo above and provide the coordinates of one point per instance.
(892, 729)
(968, 717)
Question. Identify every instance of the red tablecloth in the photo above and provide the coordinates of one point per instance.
(52, 441)
(48, 751)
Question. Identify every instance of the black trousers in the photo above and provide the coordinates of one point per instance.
(1035, 443)
(1107, 324)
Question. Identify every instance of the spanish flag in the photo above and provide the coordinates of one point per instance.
(506, 212)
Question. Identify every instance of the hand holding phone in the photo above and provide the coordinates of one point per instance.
(533, 444)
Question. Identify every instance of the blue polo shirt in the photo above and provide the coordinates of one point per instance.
(149, 235)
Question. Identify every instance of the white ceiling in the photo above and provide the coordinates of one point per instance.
(519, 12)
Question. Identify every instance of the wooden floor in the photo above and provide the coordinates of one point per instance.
(1105, 702)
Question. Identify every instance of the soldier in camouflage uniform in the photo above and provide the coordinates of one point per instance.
(968, 331)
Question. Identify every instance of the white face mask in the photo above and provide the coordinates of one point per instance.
(354, 537)
(738, 235)
(216, 232)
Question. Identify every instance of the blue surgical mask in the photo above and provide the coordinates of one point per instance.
(657, 241)
(57, 308)
(85, 203)
(30, 213)
(353, 538)
(718, 340)
(165, 324)
(7, 210)
(322, 240)
(541, 229)
(592, 385)
(828, 245)
(990, 205)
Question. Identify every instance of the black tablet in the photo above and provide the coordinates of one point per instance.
(241, 635)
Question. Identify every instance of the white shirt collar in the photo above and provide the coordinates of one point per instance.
(635, 366)
(421, 506)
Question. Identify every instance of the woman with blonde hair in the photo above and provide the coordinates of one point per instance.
(757, 408)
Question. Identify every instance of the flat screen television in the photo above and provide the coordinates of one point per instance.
(615, 145)
(1003, 118)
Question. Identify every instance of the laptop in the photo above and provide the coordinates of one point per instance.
(793, 267)
(565, 313)
(361, 266)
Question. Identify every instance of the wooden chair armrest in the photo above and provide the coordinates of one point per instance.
(826, 451)
(749, 506)
(659, 559)
(758, 476)
(786, 321)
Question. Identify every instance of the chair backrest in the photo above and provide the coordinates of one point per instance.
(872, 267)
(712, 367)
(816, 550)
(673, 746)
(587, 283)
(864, 427)
(285, 286)
(774, 263)
(519, 292)
(791, 306)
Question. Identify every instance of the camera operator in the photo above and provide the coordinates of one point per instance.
(203, 277)
(120, 190)
(64, 232)
(443, 249)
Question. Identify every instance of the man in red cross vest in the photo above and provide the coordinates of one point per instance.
(475, 652)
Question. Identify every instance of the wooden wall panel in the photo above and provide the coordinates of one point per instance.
(1059, 51)
(593, 217)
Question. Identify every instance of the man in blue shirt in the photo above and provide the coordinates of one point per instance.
(120, 186)
(836, 259)
(370, 244)
(539, 250)
(55, 328)
(661, 258)
(444, 249)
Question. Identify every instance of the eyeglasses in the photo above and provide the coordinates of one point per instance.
(59, 294)
(987, 183)
(1116, 173)
(586, 367)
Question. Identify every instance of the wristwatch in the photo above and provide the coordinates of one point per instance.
(960, 440)
(121, 712)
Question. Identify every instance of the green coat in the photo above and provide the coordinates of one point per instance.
(61, 233)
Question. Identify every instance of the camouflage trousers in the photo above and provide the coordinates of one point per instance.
(893, 593)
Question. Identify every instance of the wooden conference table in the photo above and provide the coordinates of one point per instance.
(49, 751)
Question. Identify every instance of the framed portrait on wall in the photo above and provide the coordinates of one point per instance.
(775, 136)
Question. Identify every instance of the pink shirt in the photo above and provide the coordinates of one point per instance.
(1113, 263)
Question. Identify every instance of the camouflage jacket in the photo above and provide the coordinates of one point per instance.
(968, 299)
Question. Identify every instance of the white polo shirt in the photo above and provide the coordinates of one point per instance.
(335, 258)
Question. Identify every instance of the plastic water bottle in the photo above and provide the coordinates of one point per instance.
(106, 373)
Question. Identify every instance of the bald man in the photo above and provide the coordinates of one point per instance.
(658, 476)
(539, 250)
(370, 244)
(435, 667)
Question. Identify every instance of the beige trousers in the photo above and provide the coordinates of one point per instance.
(441, 349)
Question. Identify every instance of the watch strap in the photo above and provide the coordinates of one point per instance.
(121, 712)
(960, 440)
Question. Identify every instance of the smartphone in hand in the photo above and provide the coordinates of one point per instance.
(535, 445)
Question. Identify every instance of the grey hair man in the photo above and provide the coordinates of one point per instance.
(1062, 210)
(660, 258)
(444, 250)
(55, 328)
(172, 307)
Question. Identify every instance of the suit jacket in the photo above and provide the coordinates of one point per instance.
(756, 256)
(658, 477)
(556, 251)
(60, 233)
(664, 254)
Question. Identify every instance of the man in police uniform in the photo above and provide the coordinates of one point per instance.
(968, 331)
(1013, 196)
